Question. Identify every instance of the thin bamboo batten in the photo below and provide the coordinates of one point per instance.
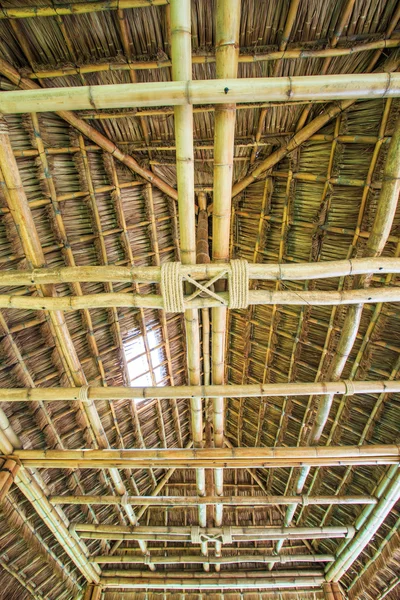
(213, 560)
(225, 500)
(189, 92)
(261, 297)
(26, 12)
(200, 59)
(262, 390)
(85, 129)
(238, 583)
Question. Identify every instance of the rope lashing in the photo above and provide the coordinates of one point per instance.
(239, 284)
(83, 393)
(172, 287)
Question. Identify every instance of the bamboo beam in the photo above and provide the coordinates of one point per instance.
(172, 501)
(208, 58)
(262, 271)
(350, 553)
(85, 129)
(187, 534)
(188, 92)
(234, 583)
(93, 393)
(92, 592)
(26, 12)
(211, 457)
(262, 297)
(8, 472)
(213, 560)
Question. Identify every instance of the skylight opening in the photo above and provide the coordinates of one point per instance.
(141, 365)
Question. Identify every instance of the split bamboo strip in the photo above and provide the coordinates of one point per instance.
(380, 231)
(85, 129)
(261, 297)
(235, 583)
(213, 560)
(263, 271)
(292, 53)
(211, 457)
(188, 92)
(26, 12)
(225, 500)
(227, 54)
(17, 202)
(55, 394)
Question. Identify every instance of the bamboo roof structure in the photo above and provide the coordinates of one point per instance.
(199, 300)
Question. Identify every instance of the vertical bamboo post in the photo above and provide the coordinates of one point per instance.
(181, 57)
(380, 231)
(227, 55)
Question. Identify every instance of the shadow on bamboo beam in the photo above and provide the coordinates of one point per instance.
(218, 91)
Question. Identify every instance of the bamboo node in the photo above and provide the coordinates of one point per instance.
(350, 390)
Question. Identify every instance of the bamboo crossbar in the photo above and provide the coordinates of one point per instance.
(172, 501)
(25, 12)
(201, 391)
(267, 272)
(185, 534)
(201, 59)
(211, 457)
(214, 560)
(261, 297)
(235, 583)
(218, 91)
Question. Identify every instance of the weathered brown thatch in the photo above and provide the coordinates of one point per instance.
(312, 181)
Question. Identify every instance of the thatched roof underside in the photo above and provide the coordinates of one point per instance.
(290, 217)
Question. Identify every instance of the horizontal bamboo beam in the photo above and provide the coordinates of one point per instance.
(267, 272)
(201, 59)
(213, 560)
(196, 534)
(234, 583)
(262, 297)
(211, 457)
(172, 501)
(24, 12)
(212, 91)
(62, 394)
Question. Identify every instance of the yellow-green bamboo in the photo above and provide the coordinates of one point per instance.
(26, 12)
(225, 560)
(218, 91)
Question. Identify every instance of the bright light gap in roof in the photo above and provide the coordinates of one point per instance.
(139, 365)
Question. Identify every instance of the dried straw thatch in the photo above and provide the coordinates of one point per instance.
(100, 189)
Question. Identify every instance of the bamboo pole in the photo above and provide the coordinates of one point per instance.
(262, 390)
(8, 472)
(172, 501)
(187, 92)
(235, 583)
(262, 297)
(85, 129)
(213, 560)
(181, 53)
(227, 53)
(262, 271)
(273, 55)
(92, 592)
(26, 12)
(377, 516)
(211, 457)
